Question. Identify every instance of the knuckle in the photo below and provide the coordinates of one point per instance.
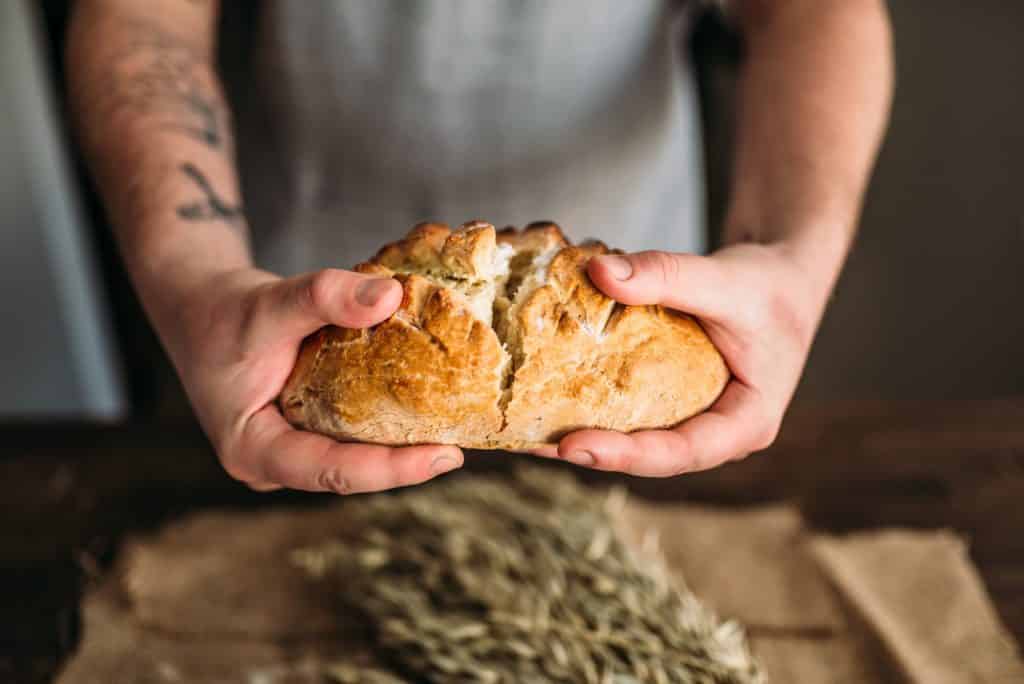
(333, 480)
(620, 462)
(320, 289)
(766, 435)
(234, 469)
(667, 445)
(665, 265)
(229, 448)
(239, 438)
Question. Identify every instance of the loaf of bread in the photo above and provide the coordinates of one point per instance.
(501, 342)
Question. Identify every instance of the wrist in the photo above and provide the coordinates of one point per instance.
(178, 279)
(816, 249)
(208, 314)
(819, 256)
(169, 261)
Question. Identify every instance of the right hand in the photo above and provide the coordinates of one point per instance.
(239, 340)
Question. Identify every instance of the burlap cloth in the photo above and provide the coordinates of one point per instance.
(213, 598)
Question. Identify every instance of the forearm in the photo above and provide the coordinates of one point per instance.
(156, 133)
(814, 99)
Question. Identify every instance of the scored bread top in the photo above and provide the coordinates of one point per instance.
(501, 341)
(433, 248)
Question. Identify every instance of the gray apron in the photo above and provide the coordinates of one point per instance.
(369, 116)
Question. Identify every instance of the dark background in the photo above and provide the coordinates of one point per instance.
(931, 302)
(930, 306)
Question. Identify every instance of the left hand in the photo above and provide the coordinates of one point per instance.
(760, 309)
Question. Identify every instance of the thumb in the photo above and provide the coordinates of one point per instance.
(302, 305)
(685, 282)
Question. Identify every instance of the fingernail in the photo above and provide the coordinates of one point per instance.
(620, 268)
(369, 292)
(443, 464)
(580, 458)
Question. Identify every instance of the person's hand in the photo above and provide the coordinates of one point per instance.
(241, 336)
(760, 310)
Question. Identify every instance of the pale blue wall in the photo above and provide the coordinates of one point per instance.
(55, 348)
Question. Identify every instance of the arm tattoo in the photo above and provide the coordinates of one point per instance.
(159, 77)
(206, 128)
(212, 207)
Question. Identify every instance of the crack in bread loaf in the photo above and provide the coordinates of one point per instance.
(501, 342)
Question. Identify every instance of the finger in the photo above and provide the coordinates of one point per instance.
(304, 304)
(733, 427)
(275, 452)
(685, 282)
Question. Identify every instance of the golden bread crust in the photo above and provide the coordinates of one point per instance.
(436, 372)
(539, 236)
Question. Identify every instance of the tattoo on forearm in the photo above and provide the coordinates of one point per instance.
(159, 77)
(211, 207)
(205, 126)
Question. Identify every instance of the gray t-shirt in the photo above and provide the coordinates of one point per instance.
(369, 116)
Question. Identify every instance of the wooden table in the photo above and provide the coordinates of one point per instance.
(69, 493)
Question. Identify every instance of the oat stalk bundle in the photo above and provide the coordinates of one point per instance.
(480, 579)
